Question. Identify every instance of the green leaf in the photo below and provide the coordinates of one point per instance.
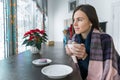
(44, 37)
(26, 41)
(38, 46)
(30, 43)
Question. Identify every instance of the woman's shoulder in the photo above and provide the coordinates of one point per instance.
(105, 35)
(102, 35)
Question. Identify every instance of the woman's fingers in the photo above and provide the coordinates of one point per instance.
(77, 50)
(79, 46)
(68, 50)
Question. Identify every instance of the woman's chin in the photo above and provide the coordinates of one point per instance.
(77, 32)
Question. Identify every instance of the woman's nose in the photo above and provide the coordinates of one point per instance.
(75, 23)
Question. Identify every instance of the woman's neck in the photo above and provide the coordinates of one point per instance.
(84, 35)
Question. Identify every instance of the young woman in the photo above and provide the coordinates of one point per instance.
(94, 50)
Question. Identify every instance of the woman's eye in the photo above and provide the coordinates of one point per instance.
(79, 19)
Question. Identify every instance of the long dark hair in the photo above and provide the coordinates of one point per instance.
(90, 12)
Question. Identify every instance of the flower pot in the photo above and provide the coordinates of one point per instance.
(34, 50)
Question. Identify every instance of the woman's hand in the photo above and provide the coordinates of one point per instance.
(77, 50)
(68, 51)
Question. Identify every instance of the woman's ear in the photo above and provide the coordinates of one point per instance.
(90, 24)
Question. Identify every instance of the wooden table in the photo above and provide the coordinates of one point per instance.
(20, 67)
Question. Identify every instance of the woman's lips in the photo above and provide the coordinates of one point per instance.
(77, 29)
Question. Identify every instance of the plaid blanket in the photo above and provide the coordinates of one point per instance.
(104, 61)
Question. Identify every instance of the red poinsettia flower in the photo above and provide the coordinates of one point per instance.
(42, 31)
(34, 38)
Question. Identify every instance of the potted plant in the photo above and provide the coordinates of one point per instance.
(35, 38)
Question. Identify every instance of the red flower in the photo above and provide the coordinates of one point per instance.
(32, 31)
(27, 33)
(34, 38)
(31, 37)
(42, 31)
(37, 30)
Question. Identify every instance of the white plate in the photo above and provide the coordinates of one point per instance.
(41, 62)
(57, 71)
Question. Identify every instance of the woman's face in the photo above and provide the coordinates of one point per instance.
(81, 24)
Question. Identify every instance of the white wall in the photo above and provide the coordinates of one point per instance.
(56, 18)
(116, 24)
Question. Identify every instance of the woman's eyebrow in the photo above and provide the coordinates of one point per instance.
(79, 18)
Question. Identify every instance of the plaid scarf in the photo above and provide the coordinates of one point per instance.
(104, 63)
